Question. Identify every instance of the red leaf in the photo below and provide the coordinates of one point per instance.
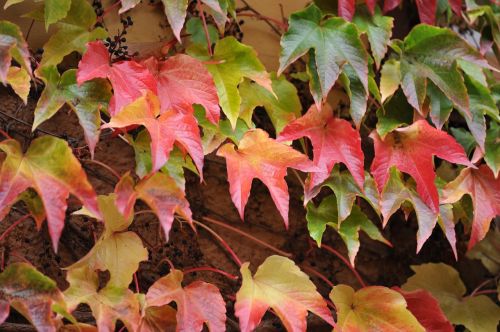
(371, 5)
(484, 190)
(390, 5)
(259, 156)
(128, 78)
(346, 9)
(427, 310)
(182, 82)
(427, 10)
(198, 303)
(456, 6)
(334, 140)
(410, 149)
(164, 129)
(159, 192)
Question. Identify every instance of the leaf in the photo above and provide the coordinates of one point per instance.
(176, 14)
(194, 27)
(117, 250)
(432, 53)
(280, 285)
(182, 82)
(358, 96)
(128, 78)
(465, 139)
(335, 42)
(282, 107)
(159, 192)
(165, 129)
(55, 10)
(488, 251)
(390, 78)
(484, 190)
(73, 34)
(427, 311)
(326, 214)
(259, 156)
(19, 80)
(86, 100)
(50, 168)
(334, 140)
(395, 113)
(372, 308)
(378, 29)
(12, 46)
(439, 104)
(476, 313)
(127, 5)
(108, 304)
(492, 148)
(158, 319)
(231, 63)
(410, 149)
(30, 293)
(198, 303)
(395, 193)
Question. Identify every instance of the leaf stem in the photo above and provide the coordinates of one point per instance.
(281, 25)
(318, 274)
(253, 238)
(481, 285)
(103, 165)
(108, 10)
(5, 134)
(235, 257)
(485, 292)
(298, 178)
(346, 262)
(14, 225)
(136, 282)
(211, 269)
(205, 27)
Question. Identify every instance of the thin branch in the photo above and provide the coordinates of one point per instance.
(211, 269)
(346, 262)
(319, 275)
(13, 226)
(248, 236)
(250, 8)
(103, 165)
(205, 28)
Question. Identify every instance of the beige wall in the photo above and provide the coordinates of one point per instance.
(149, 26)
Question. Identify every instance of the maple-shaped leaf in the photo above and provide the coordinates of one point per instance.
(12, 46)
(197, 304)
(159, 192)
(477, 313)
(108, 253)
(396, 193)
(31, 293)
(259, 156)
(19, 80)
(182, 82)
(164, 129)
(231, 62)
(426, 309)
(378, 29)
(128, 78)
(347, 8)
(390, 78)
(373, 308)
(335, 43)
(73, 33)
(410, 149)
(326, 215)
(108, 304)
(280, 285)
(282, 107)
(86, 100)
(334, 140)
(51, 169)
(484, 190)
(431, 53)
(487, 251)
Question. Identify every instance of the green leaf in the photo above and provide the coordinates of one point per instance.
(476, 313)
(464, 138)
(31, 293)
(231, 63)
(395, 113)
(56, 10)
(335, 42)
(492, 148)
(326, 214)
(372, 308)
(194, 27)
(12, 46)
(378, 29)
(282, 107)
(432, 53)
(73, 34)
(390, 78)
(440, 105)
(86, 100)
(356, 92)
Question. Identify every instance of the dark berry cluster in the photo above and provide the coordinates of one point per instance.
(234, 29)
(97, 4)
(116, 45)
